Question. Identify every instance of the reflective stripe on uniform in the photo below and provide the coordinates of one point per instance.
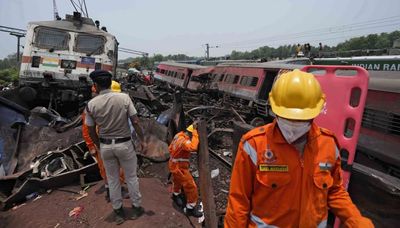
(323, 224)
(336, 153)
(179, 159)
(251, 152)
(259, 222)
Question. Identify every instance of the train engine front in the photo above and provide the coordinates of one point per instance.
(58, 58)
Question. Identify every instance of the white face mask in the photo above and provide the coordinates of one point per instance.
(292, 130)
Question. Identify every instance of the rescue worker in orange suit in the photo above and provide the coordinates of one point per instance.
(287, 173)
(115, 87)
(180, 148)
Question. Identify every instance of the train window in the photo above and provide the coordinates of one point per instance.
(243, 81)
(254, 81)
(90, 44)
(175, 74)
(236, 79)
(183, 76)
(51, 39)
(162, 71)
(229, 78)
(249, 81)
(222, 77)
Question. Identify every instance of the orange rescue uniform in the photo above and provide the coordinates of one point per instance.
(91, 146)
(272, 185)
(180, 149)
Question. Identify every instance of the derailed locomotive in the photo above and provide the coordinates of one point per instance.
(58, 58)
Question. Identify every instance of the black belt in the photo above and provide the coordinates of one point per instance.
(116, 140)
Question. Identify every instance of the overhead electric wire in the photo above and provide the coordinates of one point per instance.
(321, 31)
(87, 14)
(131, 51)
(6, 27)
(73, 4)
(80, 6)
(296, 39)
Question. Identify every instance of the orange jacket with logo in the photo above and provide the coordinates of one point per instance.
(182, 145)
(272, 184)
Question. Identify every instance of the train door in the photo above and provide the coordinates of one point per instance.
(267, 84)
(187, 78)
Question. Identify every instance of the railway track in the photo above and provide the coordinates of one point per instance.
(221, 159)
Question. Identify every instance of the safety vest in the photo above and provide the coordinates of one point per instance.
(272, 185)
(181, 146)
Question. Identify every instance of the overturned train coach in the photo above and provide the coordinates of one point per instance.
(59, 56)
(244, 83)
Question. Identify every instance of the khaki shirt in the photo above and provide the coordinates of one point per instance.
(110, 111)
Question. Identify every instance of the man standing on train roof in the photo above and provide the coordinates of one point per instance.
(180, 149)
(110, 112)
(287, 173)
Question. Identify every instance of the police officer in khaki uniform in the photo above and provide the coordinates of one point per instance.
(111, 113)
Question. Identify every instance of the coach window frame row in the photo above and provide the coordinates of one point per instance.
(171, 73)
(243, 80)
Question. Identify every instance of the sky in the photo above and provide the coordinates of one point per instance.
(185, 26)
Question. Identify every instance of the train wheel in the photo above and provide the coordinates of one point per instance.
(27, 93)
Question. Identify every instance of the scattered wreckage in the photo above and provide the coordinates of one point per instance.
(164, 111)
(41, 150)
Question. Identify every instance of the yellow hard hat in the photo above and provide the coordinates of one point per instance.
(297, 95)
(115, 86)
(190, 128)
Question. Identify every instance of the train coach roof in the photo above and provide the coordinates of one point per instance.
(191, 66)
(269, 65)
(69, 26)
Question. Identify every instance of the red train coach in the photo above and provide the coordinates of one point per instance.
(250, 82)
(176, 74)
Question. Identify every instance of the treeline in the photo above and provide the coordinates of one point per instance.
(149, 62)
(8, 70)
(372, 41)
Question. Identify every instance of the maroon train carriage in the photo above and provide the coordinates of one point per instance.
(380, 133)
(175, 74)
(248, 84)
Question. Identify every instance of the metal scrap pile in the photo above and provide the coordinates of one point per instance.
(40, 149)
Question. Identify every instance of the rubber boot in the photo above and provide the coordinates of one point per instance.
(195, 211)
(136, 212)
(119, 216)
(178, 200)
